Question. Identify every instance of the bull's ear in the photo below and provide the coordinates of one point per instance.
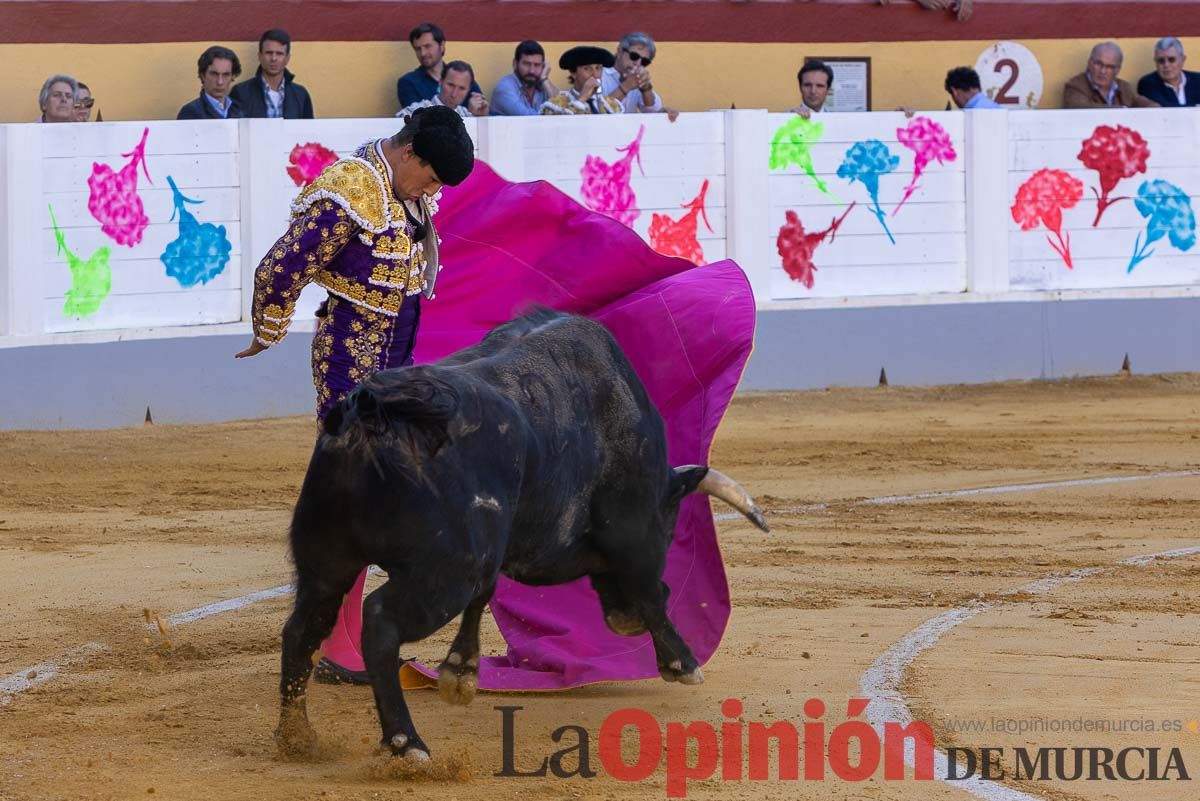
(684, 480)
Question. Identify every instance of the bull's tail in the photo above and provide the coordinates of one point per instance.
(700, 478)
(410, 408)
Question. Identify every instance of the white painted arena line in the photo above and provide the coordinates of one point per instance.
(34, 675)
(882, 681)
(886, 500)
(201, 612)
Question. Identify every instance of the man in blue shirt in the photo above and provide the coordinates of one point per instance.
(218, 67)
(522, 92)
(429, 43)
(966, 91)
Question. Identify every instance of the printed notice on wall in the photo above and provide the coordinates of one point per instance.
(851, 90)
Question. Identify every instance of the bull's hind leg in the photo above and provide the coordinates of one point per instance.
(311, 621)
(458, 675)
(396, 613)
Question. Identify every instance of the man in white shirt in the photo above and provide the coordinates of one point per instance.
(628, 80)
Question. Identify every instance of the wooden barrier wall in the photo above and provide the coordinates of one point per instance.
(875, 206)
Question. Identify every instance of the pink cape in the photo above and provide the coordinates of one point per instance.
(688, 332)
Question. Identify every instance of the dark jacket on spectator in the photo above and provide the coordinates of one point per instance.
(252, 97)
(1156, 89)
(201, 109)
(1079, 93)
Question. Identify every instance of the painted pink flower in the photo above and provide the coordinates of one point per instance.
(306, 162)
(114, 200)
(1041, 201)
(1115, 153)
(797, 247)
(607, 188)
(929, 142)
(678, 237)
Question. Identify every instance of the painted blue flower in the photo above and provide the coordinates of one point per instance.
(866, 162)
(201, 250)
(1169, 211)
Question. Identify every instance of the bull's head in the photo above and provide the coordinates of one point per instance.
(701, 478)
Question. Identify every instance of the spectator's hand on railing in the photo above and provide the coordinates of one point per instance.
(965, 9)
(803, 111)
(908, 110)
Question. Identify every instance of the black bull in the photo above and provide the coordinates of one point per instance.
(536, 454)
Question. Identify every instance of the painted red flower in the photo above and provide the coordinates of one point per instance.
(797, 247)
(1042, 199)
(308, 161)
(1115, 153)
(678, 237)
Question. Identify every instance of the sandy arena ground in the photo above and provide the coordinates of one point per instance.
(97, 526)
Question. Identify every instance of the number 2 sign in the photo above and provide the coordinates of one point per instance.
(1010, 75)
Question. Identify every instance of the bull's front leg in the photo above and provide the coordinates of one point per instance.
(458, 675)
(311, 621)
(675, 660)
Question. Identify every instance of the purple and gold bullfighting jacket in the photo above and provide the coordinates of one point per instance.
(348, 234)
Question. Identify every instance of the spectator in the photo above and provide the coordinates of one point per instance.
(584, 65)
(83, 103)
(57, 99)
(961, 9)
(1170, 85)
(1099, 86)
(429, 43)
(454, 92)
(628, 79)
(218, 66)
(965, 90)
(522, 92)
(273, 91)
(815, 78)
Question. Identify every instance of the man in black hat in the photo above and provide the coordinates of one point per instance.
(363, 231)
(584, 66)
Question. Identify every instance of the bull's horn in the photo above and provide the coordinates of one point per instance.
(719, 485)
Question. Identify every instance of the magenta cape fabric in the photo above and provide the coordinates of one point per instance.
(688, 332)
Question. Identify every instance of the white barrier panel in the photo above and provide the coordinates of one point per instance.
(944, 203)
(140, 225)
(1103, 199)
(866, 205)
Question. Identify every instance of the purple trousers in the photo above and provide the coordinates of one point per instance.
(353, 343)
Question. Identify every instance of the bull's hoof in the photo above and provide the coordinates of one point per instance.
(411, 749)
(674, 672)
(457, 682)
(624, 623)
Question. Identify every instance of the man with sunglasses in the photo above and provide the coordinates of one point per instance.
(1170, 84)
(1099, 86)
(628, 80)
(83, 103)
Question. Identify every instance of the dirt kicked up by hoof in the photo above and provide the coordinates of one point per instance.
(455, 767)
